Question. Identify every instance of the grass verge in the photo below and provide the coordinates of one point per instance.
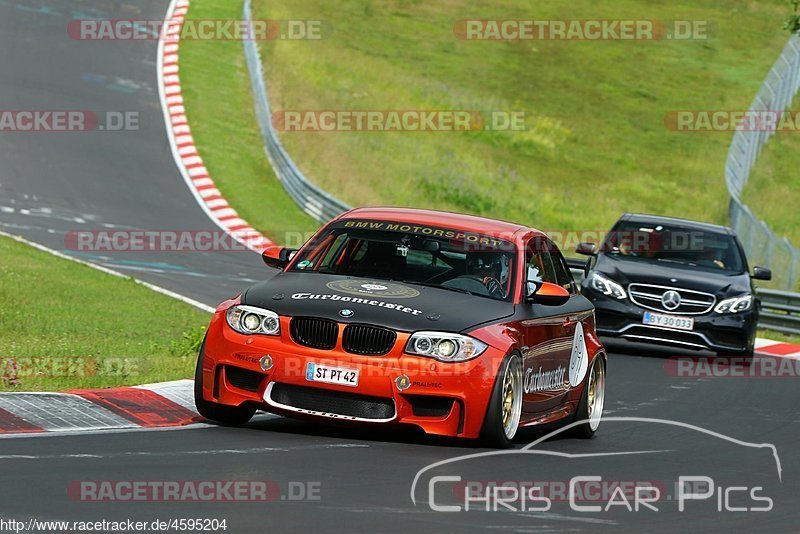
(64, 325)
(596, 143)
(778, 336)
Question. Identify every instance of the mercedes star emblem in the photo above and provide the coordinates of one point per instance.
(671, 300)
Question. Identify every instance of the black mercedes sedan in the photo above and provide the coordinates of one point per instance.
(674, 282)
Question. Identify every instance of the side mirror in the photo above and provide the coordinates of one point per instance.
(278, 257)
(587, 249)
(761, 273)
(548, 294)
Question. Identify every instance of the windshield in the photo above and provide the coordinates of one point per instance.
(423, 255)
(673, 244)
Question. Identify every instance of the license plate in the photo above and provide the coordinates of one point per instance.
(332, 375)
(668, 321)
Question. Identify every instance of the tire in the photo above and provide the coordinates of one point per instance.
(217, 413)
(501, 422)
(591, 409)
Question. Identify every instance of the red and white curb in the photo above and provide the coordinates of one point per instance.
(187, 158)
(777, 348)
(168, 404)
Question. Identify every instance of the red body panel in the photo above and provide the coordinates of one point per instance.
(544, 343)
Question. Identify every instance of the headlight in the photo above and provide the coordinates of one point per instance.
(251, 320)
(445, 347)
(607, 286)
(735, 304)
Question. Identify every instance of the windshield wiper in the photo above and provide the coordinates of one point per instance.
(437, 286)
(677, 261)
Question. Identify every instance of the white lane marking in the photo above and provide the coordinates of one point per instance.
(112, 272)
(196, 452)
(68, 434)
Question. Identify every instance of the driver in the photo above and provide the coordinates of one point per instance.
(492, 269)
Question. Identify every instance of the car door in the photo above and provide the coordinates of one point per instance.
(549, 331)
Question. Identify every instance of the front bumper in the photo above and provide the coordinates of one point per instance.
(723, 333)
(441, 398)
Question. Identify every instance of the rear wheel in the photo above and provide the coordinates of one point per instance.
(218, 413)
(590, 408)
(505, 405)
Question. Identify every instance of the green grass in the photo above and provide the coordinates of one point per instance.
(779, 336)
(219, 104)
(64, 325)
(597, 145)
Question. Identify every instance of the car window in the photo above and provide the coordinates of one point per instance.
(440, 257)
(563, 274)
(539, 263)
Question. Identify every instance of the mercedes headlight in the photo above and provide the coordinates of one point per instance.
(735, 304)
(444, 346)
(251, 320)
(607, 286)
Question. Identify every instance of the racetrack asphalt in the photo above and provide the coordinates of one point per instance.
(359, 479)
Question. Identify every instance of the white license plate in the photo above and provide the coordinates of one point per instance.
(331, 375)
(668, 321)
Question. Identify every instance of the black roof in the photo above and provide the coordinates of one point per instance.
(674, 221)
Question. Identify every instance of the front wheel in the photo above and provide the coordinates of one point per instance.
(590, 408)
(505, 405)
(224, 415)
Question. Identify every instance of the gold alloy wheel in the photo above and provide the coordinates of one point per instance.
(512, 397)
(596, 394)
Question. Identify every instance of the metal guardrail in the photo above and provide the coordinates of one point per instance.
(780, 311)
(321, 205)
(762, 245)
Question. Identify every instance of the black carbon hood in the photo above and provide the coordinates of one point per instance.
(399, 306)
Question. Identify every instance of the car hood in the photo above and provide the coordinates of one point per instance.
(626, 271)
(399, 306)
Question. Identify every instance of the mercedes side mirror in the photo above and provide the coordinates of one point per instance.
(587, 249)
(278, 257)
(762, 273)
(547, 294)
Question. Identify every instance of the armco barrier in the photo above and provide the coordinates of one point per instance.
(763, 247)
(780, 311)
(320, 205)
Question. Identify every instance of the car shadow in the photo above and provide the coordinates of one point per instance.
(398, 434)
(630, 348)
